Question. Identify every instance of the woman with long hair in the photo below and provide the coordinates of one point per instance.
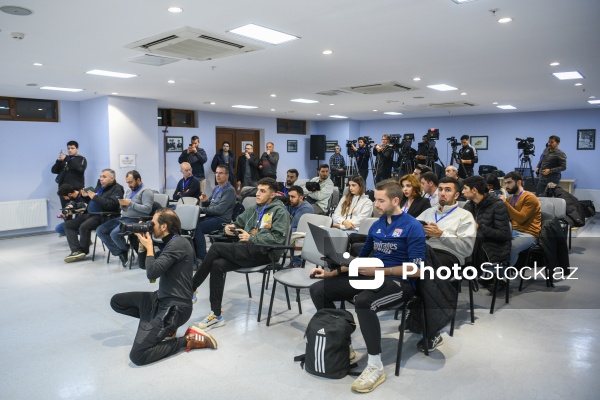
(412, 201)
(354, 207)
(493, 185)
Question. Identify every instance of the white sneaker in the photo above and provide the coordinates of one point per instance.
(370, 378)
(212, 321)
(354, 356)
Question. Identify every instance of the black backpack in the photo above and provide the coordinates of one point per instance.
(328, 344)
(237, 210)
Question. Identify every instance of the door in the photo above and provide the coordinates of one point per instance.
(238, 138)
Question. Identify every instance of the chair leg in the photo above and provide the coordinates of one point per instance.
(262, 295)
(268, 277)
(471, 284)
(569, 228)
(94, 251)
(425, 330)
(248, 284)
(271, 303)
(507, 290)
(298, 301)
(400, 342)
(396, 314)
(495, 291)
(287, 297)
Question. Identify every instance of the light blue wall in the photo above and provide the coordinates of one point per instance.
(94, 130)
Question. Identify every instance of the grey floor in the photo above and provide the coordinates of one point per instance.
(61, 340)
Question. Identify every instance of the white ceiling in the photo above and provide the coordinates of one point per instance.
(373, 41)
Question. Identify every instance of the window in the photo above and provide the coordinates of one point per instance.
(17, 109)
(176, 118)
(291, 126)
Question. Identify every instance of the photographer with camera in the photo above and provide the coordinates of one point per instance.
(70, 168)
(363, 153)
(319, 190)
(467, 158)
(384, 159)
(163, 311)
(136, 204)
(74, 206)
(196, 156)
(337, 164)
(551, 164)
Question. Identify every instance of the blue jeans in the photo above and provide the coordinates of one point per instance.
(108, 233)
(205, 225)
(520, 241)
(60, 229)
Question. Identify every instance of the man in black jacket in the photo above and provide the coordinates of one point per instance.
(196, 156)
(467, 158)
(551, 164)
(385, 159)
(247, 171)
(70, 168)
(165, 310)
(105, 198)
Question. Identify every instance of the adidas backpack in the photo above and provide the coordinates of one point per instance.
(328, 343)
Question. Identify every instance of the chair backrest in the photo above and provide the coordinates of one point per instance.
(301, 182)
(188, 200)
(170, 193)
(315, 219)
(375, 212)
(560, 206)
(161, 199)
(249, 202)
(547, 207)
(461, 203)
(365, 225)
(334, 199)
(310, 252)
(188, 215)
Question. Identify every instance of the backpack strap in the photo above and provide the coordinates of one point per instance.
(300, 358)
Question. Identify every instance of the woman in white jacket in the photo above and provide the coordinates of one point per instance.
(354, 207)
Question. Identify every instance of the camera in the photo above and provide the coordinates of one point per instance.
(453, 141)
(284, 199)
(368, 141)
(142, 227)
(526, 145)
(350, 143)
(313, 186)
(73, 208)
(433, 134)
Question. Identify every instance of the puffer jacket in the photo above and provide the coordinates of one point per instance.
(575, 212)
(553, 241)
(493, 233)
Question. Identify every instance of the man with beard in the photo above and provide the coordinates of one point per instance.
(467, 157)
(291, 178)
(298, 206)
(247, 171)
(70, 169)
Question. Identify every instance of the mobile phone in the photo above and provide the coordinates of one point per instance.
(89, 188)
(498, 192)
(423, 222)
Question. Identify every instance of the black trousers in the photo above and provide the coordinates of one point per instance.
(153, 314)
(85, 224)
(222, 258)
(391, 294)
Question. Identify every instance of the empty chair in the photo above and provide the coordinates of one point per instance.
(161, 199)
(188, 215)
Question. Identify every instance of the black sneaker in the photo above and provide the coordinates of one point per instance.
(432, 343)
(124, 259)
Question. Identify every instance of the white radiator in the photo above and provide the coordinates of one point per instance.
(23, 214)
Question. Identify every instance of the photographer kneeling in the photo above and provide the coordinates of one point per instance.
(165, 310)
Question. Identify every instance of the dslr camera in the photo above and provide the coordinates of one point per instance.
(368, 141)
(313, 186)
(131, 227)
(453, 141)
(73, 208)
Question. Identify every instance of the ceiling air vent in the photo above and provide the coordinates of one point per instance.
(378, 88)
(150, 59)
(192, 44)
(450, 105)
(333, 93)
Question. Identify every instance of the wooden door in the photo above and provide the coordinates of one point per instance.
(238, 139)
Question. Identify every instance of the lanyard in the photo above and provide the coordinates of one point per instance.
(185, 183)
(136, 190)
(293, 214)
(260, 216)
(217, 192)
(406, 205)
(443, 216)
(285, 190)
(514, 203)
(100, 190)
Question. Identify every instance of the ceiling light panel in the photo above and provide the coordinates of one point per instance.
(243, 106)
(61, 89)
(338, 116)
(110, 73)
(462, 1)
(442, 87)
(507, 107)
(594, 101)
(263, 34)
(306, 101)
(392, 113)
(568, 75)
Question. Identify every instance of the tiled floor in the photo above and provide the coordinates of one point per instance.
(61, 340)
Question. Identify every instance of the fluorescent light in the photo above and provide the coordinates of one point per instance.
(337, 116)
(507, 107)
(170, 81)
(263, 34)
(505, 20)
(243, 106)
(594, 101)
(592, 97)
(554, 64)
(579, 84)
(60, 89)
(331, 104)
(392, 113)
(416, 79)
(327, 52)
(374, 110)
(212, 103)
(110, 73)
(442, 87)
(318, 114)
(462, 1)
(568, 75)
(175, 9)
(115, 93)
(494, 103)
(307, 101)
(38, 64)
(272, 109)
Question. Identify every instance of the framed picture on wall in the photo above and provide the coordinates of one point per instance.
(479, 142)
(244, 143)
(586, 139)
(292, 146)
(330, 146)
(174, 144)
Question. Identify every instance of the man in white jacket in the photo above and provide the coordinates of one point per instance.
(320, 195)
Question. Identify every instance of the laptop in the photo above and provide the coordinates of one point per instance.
(325, 245)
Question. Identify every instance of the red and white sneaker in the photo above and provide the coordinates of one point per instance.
(198, 339)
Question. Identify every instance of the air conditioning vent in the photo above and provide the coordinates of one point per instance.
(150, 59)
(379, 88)
(450, 105)
(192, 44)
(333, 93)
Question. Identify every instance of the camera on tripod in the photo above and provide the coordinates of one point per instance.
(433, 134)
(526, 145)
(453, 141)
(395, 142)
(142, 227)
(368, 141)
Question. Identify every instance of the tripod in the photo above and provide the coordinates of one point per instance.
(454, 159)
(406, 163)
(525, 165)
(351, 167)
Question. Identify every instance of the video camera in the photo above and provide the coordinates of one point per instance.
(404, 146)
(349, 149)
(526, 145)
(368, 141)
(313, 186)
(453, 141)
(433, 134)
(142, 227)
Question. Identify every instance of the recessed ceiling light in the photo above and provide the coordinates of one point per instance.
(442, 87)
(38, 64)
(175, 9)
(374, 110)
(462, 1)
(554, 64)
(494, 103)
(418, 97)
(60, 89)
(338, 116)
(318, 114)
(578, 84)
(170, 81)
(40, 109)
(594, 101)
(392, 113)
(327, 52)
(110, 73)
(243, 106)
(416, 79)
(331, 104)
(307, 101)
(115, 93)
(568, 75)
(263, 34)
(507, 107)
(272, 109)
(273, 95)
(505, 20)
(463, 94)
(212, 103)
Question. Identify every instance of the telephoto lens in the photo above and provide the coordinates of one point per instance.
(143, 227)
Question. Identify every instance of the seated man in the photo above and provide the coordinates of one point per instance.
(217, 210)
(321, 194)
(525, 214)
(395, 238)
(74, 205)
(189, 185)
(105, 198)
(163, 311)
(448, 227)
(291, 178)
(268, 222)
(492, 222)
(298, 206)
(429, 183)
(136, 205)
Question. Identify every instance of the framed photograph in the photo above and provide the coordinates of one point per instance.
(586, 139)
(174, 144)
(479, 142)
(330, 146)
(292, 146)
(244, 143)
